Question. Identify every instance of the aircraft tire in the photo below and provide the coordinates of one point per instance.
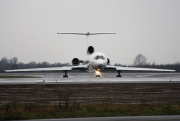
(97, 75)
(65, 76)
(118, 76)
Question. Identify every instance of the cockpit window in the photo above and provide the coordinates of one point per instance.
(99, 57)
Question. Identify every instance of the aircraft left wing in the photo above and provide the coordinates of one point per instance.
(120, 68)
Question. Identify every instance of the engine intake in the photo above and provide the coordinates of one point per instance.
(90, 50)
(108, 61)
(75, 62)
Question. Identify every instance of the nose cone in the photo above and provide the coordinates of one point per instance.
(101, 64)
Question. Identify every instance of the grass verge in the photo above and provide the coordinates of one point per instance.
(36, 111)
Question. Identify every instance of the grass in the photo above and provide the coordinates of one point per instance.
(19, 77)
(17, 111)
(88, 100)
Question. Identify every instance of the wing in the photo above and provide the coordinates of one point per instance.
(80, 67)
(65, 68)
(73, 33)
(120, 68)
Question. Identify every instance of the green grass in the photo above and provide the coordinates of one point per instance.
(19, 77)
(17, 111)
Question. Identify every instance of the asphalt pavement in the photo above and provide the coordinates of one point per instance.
(76, 78)
(128, 118)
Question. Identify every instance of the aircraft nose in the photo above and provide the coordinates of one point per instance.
(101, 64)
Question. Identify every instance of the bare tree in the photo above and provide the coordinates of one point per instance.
(14, 60)
(140, 60)
(4, 60)
(31, 64)
(4, 64)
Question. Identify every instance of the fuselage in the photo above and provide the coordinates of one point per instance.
(97, 61)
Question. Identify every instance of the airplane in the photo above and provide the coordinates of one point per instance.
(94, 61)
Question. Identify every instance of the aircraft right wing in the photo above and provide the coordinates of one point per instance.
(64, 68)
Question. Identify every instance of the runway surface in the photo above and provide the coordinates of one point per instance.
(75, 78)
(128, 118)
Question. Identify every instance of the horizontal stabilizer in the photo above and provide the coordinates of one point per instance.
(87, 34)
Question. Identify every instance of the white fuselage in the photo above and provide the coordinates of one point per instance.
(96, 61)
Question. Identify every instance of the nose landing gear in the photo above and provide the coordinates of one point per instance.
(98, 76)
(98, 73)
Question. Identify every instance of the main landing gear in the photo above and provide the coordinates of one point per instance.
(119, 74)
(65, 74)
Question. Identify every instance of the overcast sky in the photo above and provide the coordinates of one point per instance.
(28, 29)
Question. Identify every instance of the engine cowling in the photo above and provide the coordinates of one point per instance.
(90, 50)
(75, 62)
(108, 61)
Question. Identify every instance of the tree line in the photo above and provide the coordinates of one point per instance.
(6, 64)
(139, 61)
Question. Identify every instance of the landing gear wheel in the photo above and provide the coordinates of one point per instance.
(119, 74)
(65, 74)
(97, 75)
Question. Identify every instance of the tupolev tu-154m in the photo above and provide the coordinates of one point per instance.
(94, 61)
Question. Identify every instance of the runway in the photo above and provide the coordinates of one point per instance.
(76, 78)
(127, 118)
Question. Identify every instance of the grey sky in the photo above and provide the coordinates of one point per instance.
(28, 29)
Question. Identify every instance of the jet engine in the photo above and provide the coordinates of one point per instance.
(108, 61)
(75, 62)
(90, 50)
